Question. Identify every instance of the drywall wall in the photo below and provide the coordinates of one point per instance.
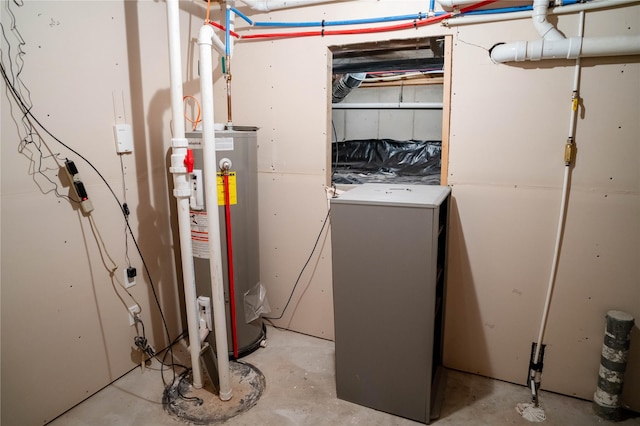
(509, 124)
(508, 128)
(65, 326)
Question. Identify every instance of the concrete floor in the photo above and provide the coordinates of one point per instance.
(300, 390)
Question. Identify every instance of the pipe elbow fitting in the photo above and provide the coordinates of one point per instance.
(539, 17)
(205, 36)
(509, 52)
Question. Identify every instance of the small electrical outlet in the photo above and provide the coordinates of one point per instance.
(129, 277)
(135, 309)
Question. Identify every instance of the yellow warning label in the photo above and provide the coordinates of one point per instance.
(233, 195)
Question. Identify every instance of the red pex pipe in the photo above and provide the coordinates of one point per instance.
(232, 291)
(414, 24)
(220, 27)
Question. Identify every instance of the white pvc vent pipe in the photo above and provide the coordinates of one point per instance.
(553, 45)
(205, 43)
(569, 48)
(182, 188)
(268, 5)
(545, 28)
(453, 3)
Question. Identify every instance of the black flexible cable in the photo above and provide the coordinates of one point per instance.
(326, 219)
(335, 163)
(27, 112)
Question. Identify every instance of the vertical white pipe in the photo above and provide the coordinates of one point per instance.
(182, 188)
(563, 202)
(205, 43)
(576, 81)
(554, 265)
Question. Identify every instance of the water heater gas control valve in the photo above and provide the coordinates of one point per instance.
(225, 164)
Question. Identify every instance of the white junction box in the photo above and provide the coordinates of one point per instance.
(124, 138)
(133, 310)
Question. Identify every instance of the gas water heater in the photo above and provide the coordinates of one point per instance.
(238, 148)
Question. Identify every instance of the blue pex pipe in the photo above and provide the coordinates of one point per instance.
(226, 33)
(242, 15)
(418, 16)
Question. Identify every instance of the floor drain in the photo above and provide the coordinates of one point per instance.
(204, 407)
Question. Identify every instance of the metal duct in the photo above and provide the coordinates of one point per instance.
(345, 84)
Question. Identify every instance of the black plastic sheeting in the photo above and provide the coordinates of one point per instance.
(386, 160)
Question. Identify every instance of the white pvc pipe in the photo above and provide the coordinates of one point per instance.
(576, 82)
(388, 105)
(218, 45)
(569, 48)
(613, 46)
(553, 45)
(481, 19)
(182, 188)
(563, 202)
(269, 5)
(545, 28)
(554, 264)
(562, 10)
(211, 203)
(449, 4)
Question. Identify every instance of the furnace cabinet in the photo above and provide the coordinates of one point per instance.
(389, 251)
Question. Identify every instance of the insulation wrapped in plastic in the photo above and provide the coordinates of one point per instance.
(255, 303)
(378, 160)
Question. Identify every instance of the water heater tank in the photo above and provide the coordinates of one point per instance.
(239, 146)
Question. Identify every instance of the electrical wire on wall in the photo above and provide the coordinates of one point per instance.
(335, 141)
(304, 267)
(34, 137)
(111, 266)
(125, 210)
(42, 159)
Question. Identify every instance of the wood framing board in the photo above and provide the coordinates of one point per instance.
(446, 111)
